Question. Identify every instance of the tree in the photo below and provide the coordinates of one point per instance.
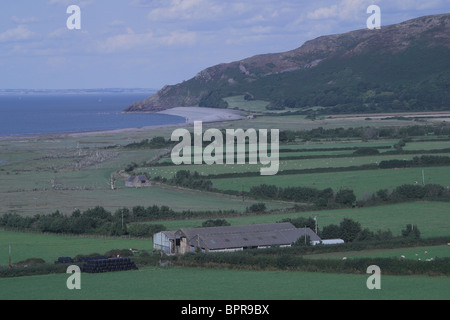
(302, 242)
(349, 230)
(331, 232)
(215, 223)
(124, 214)
(302, 222)
(383, 194)
(257, 208)
(411, 232)
(345, 197)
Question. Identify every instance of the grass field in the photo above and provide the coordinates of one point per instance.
(81, 165)
(301, 164)
(66, 201)
(51, 247)
(208, 284)
(422, 253)
(364, 183)
(430, 217)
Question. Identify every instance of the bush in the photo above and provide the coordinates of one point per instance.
(411, 232)
(257, 208)
(366, 152)
(139, 230)
(346, 197)
(215, 223)
(349, 230)
(331, 232)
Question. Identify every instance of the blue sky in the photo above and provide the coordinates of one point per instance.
(151, 43)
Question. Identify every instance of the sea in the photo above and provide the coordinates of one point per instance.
(40, 113)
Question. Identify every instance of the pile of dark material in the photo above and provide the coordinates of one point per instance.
(64, 260)
(109, 265)
(89, 259)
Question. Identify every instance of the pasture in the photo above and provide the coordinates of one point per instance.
(51, 247)
(364, 183)
(422, 253)
(215, 284)
(39, 175)
(430, 217)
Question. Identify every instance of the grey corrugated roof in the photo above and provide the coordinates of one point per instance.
(170, 234)
(190, 233)
(217, 238)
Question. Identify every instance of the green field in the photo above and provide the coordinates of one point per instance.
(51, 247)
(66, 201)
(432, 218)
(422, 253)
(364, 183)
(209, 284)
(302, 164)
(81, 167)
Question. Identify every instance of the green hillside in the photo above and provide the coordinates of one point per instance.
(403, 67)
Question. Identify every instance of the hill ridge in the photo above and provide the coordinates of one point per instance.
(415, 46)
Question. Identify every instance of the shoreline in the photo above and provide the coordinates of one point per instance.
(207, 115)
(191, 114)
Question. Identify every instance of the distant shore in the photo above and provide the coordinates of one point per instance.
(191, 114)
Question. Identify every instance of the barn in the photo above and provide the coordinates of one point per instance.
(231, 238)
(166, 241)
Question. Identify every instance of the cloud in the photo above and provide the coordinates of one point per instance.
(344, 10)
(71, 2)
(324, 13)
(19, 33)
(187, 10)
(19, 20)
(134, 41)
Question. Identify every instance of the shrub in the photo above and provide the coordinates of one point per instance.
(366, 152)
(257, 208)
(215, 223)
(411, 232)
(139, 230)
(349, 230)
(345, 197)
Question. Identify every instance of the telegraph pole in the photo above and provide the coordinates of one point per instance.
(315, 219)
(9, 260)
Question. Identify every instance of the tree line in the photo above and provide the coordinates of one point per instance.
(99, 221)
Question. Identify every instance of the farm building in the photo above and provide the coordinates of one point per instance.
(166, 241)
(229, 239)
(137, 182)
(332, 241)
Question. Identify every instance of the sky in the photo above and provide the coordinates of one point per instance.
(152, 43)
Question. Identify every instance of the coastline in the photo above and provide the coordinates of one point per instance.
(208, 115)
(191, 114)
